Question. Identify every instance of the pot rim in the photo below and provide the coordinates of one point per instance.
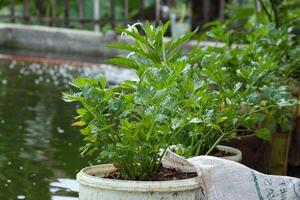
(85, 178)
(237, 153)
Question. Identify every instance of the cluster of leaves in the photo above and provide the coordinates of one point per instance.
(207, 114)
(280, 20)
(265, 59)
(120, 124)
(130, 123)
(194, 98)
(276, 24)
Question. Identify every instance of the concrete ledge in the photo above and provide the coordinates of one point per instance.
(59, 46)
(56, 39)
(4, 35)
(69, 41)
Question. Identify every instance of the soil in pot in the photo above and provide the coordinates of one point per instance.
(161, 174)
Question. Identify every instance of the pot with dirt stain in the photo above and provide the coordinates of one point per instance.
(93, 186)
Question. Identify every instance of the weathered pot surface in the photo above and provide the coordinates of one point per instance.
(93, 187)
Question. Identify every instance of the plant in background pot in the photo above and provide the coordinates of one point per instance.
(258, 65)
(278, 44)
(275, 125)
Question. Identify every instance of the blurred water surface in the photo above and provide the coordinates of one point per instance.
(37, 144)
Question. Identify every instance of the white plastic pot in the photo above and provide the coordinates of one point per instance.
(237, 154)
(93, 187)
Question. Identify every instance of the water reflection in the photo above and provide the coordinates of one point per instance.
(38, 133)
(38, 147)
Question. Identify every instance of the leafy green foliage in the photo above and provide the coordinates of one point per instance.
(206, 116)
(262, 66)
(120, 125)
(171, 103)
(130, 123)
(194, 99)
(149, 49)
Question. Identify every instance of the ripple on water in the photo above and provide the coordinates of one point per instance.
(21, 197)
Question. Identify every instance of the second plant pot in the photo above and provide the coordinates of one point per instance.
(231, 153)
(234, 153)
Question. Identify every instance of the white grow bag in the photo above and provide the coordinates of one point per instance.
(228, 180)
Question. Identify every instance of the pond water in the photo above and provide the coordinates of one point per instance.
(37, 143)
